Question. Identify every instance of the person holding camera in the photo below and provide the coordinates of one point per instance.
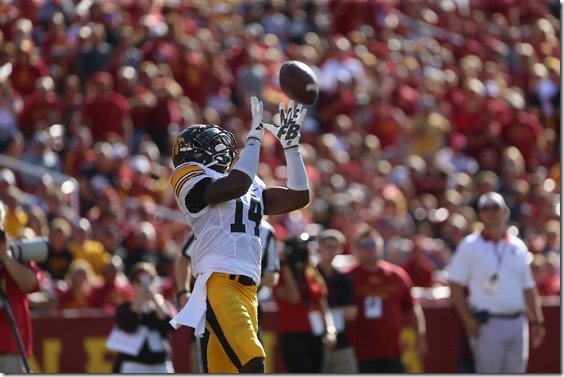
(493, 265)
(145, 318)
(305, 325)
(17, 279)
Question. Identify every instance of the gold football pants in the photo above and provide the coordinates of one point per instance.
(232, 321)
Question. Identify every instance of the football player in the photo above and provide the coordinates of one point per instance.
(223, 206)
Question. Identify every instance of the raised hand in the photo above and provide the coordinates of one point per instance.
(257, 129)
(288, 132)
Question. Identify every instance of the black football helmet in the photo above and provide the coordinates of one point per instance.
(210, 145)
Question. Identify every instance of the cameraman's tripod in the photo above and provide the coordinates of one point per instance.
(14, 327)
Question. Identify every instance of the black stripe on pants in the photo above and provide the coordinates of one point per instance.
(212, 320)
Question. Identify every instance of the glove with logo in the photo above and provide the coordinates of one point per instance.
(290, 124)
(257, 128)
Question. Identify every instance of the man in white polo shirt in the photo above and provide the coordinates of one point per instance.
(493, 265)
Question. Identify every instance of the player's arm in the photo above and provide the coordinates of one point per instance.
(237, 182)
(279, 200)
(232, 186)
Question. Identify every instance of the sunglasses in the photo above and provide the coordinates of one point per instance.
(146, 281)
(490, 208)
(368, 244)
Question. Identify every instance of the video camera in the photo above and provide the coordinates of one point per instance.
(297, 252)
(25, 250)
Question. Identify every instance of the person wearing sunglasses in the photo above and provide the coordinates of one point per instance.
(382, 294)
(492, 264)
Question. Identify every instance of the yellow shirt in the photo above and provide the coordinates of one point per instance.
(15, 222)
(93, 252)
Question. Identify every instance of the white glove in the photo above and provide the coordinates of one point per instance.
(290, 124)
(257, 128)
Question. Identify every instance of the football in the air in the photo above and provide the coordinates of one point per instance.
(298, 81)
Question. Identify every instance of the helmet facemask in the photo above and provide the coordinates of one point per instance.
(207, 144)
(221, 151)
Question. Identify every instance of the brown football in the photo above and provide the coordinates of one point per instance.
(298, 81)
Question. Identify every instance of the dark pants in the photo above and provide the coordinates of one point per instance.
(381, 366)
(301, 352)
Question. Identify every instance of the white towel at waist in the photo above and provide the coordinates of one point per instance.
(194, 312)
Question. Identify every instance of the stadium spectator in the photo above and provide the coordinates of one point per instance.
(147, 308)
(106, 113)
(28, 67)
(77, 292)
(340, 299)
(113, 289)
(41, 108)
(166, 109)
(94, 54)
(141, 248)
(59, 257)
(40, 154)
(375, 332)
(10, 105)
(83, 246)
(17, 279)
(16, 215)
(305, 327)
(418, 265)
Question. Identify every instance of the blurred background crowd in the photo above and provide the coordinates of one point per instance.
(423, 106)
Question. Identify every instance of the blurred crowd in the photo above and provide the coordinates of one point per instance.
(423, 106)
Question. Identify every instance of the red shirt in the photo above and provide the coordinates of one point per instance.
(523, 133)
(110, 295)
(23, 77)
(106, 116)
(20, 309)
(294, 318)
(39, 108)
(68, 299)
(420, 271)
(383, 298)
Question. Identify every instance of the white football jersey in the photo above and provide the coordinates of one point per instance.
(228, 233)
